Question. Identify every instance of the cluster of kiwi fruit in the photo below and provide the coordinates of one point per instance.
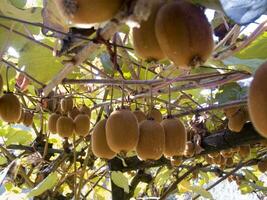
(237, 117)
(88, 11)
(225, 158)
(148, 134)
(69, 119)
(177, 30)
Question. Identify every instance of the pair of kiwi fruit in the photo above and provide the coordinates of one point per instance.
(237, 117)
(88, 11)
(177, 30)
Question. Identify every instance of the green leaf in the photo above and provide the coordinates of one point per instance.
(201, 191)
(3, 160)
(163, 176)
(249, 175)
(120, 180)
(18, 3)
(15, 136)
(184, 186)
(48, 183)
(106, 63)
(229, 92)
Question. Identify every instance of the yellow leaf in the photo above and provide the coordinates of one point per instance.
(184, 186)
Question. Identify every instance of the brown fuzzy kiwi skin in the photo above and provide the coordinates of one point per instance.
(229, 112)
(122, 131)
(262, 166)
(22, 113)
(66, 104)
(73, 113)
(244, 151)
(28, 118)
(151, 140)
(184, 33)
(140, 115)
(229, 162)
(100, 147)
(65, 126)
(189, 149)
(237, 121)
(85, 110)
(82, 125)
(175, 137)
(10, 108)
(155, 114)
(1, 83)
(88, 11)
(257, 104)
(52, 122)
(144, 37)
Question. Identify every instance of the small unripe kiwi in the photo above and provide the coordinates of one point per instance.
(184, 33)
(262, 165)
(122, 131)
(151, 140)
(257, 104)
(85, 110)
(229, 162)
(100, 147)
(73, 113)
(175, 137)
(237, 121)
(65, 126)
(140, 115)
(229, 112)
(155, 114)
(88, 11)
(20, 120)
(28, 118)
(189, 149)
(52, 122)
(10, 108)
(66, 104)
(82, 124)
(244, 151)
(144, 38)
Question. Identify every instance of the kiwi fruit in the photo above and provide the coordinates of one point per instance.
(229, 112)
(227, 153)
(100, 147)
(82, 124)
(155, 114)
(244, 151)
(65, 126)
(88, 11)
(229, 162)
(237, 121)
(21, 117)
(28, 118)
(140, 115)
(213, 154)
(151, 140)
(217, 160)
(189, 149)
(144, 38)
(52, 122)
(175, 137)
(122, 131)
(184, 33)
(10, 108)
(208, 159)
(1, 83)
(257, 96)
(73, 113)
(85, 110)
(262, 165)
(66, 104)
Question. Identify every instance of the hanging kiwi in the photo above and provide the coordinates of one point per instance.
(229, 112)
(1, 83)
(28, 118)
(65, 126)
(229, 162)
(88, 11)
(85, 110)
(184, 33)
(100, 147)
(10, 108)
(66, 104)
(227, 153)
(140, 115)
(262, 165)
(155, 114)
(21, 117)
(73, 113)
(244, 151)
(208, 159)
(175, 137)
(122, 131)
(151, 140)
(189, 149)
(237, 121)
(52, 122)
(144, 38)
(257, 100)
(82, 124)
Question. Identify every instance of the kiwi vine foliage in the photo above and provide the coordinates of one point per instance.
(35, 164)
